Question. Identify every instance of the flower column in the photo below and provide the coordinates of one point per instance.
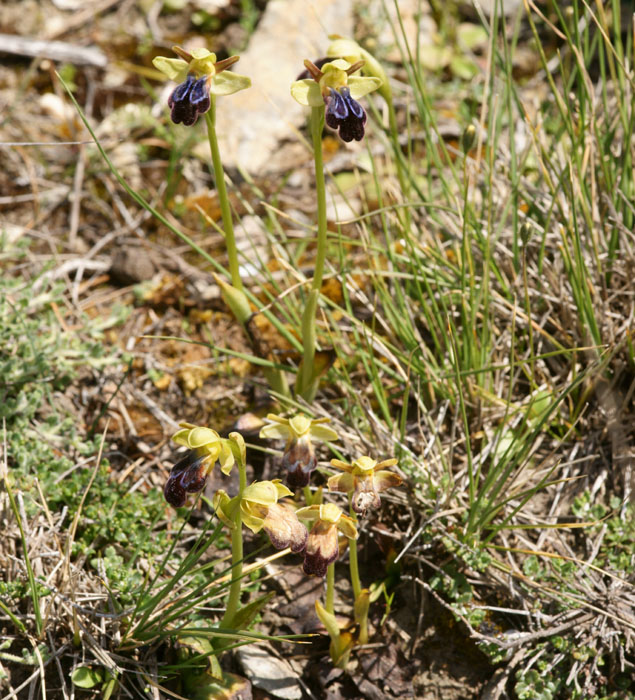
(332, 86)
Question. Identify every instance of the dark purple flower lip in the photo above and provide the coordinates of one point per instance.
(299, 460)
(189, 99)
(188, 475)
(345, 114)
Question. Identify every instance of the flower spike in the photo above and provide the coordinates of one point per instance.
(299, 456)
(205, 448)
(335, 84)
(199, 76)
(261, 510)
(365, 478)
(322, 547)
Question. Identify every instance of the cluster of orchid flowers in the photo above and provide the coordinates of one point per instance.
(332, 87)
(330, 81)
(262, 504)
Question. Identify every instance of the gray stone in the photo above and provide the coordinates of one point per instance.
(267, 672)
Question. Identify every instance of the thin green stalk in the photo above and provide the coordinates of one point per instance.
(307, 383)
(317, 125)
(233, 601)
(352, 561)
(352, 558)
(330, 587)
(219, 174)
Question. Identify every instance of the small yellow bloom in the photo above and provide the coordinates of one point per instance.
(299, 457)
(322, 547)
(365, 478)
(260, 510)
(206, 441)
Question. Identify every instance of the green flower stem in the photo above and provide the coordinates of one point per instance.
(233, 601)
(307, 383)
(317, 126)
(354, 569)
(352, 555)
(330, 587)
(362, 605)
(234, 295)
(219, 175)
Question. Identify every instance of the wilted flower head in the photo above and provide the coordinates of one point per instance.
(334, 84)
(322, 547)
(187, 476)
(299, 457)
(206, 447)
(199, 75)
(365, 478)
(260, 510)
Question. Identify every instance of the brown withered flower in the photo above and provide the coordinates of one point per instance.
(322, 547)
(365, 478)
(299, 456)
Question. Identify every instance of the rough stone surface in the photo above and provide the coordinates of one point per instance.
(270, 673)
(253, 123)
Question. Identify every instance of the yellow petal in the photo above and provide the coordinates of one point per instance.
(341, 465)
(227, 83)
(386, 463)
(347, 527)
(330, 513)
(323, 432)
(200, 437)
(300, 425)
(344, 48)
(180, 437)
(362, 86)
(262, 492)
(353, 52)
(308, 512)
(341, 482)
(384, 480)
(175, 68)
(364, 464)
(274, 431)
(307, 93)
(238, 443)
(221, 502)
(277, 419)
(282, 490)
(226, 458)
(252, 515)
(339, 64)
(202, 54)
